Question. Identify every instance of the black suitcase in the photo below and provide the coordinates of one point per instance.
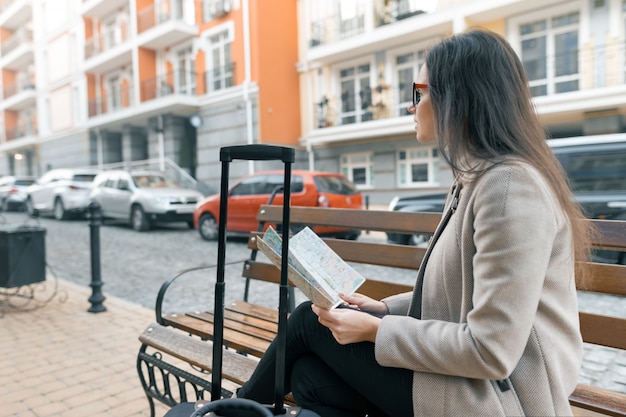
(241, 407)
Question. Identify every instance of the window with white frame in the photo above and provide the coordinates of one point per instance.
(549, 50)
(351, 18)
(418, 166)
(357, 167)
(356, 94)
(220, 73)
(185, 71)
(407, 66)
(114, 93)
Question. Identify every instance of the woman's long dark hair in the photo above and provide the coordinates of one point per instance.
(483, 108)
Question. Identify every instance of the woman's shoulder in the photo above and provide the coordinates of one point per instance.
(513, 179)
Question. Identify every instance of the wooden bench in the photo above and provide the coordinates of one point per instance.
(167, 346)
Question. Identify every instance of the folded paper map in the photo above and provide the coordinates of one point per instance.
(314, 268)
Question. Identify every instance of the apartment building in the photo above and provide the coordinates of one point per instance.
(359, 58)
(102, 82)
(135, 82)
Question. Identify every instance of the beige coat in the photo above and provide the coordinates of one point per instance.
(499, 303)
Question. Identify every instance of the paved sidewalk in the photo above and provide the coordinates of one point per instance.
(60, 360)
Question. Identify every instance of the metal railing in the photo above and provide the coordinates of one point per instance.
(117, 99)
(14, 88)
(175, 82)
(390, 11)
(575, 70)
(20, 37)
(151, 16)
(102, 42)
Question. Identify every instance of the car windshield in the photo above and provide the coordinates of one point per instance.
(24, 182)
(83, 177)
(335, 185)
(150, 181)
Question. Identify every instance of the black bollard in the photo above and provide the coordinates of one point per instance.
(96, 298)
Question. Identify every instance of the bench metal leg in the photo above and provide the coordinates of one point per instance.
(169, 384)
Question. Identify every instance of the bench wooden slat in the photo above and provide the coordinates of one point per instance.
(382, 254)
(606, 278)
(232, 320)
(603, 330)
(386, 221)
(253, 310)
(611, 234)
(235, 367)
(599, 400)
(232, 338)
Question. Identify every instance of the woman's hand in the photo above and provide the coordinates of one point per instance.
(348, 326)
(365, 303)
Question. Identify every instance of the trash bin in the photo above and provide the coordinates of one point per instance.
(22, 255)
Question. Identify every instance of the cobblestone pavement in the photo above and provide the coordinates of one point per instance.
(133, 266)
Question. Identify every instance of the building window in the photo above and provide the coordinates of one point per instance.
(220, 74)
(356, 94)
(357, 167)
(407, 67)
(214, 9)
(114, 93)
(549, 51)
(418, 167)
(185, 72)
(351, 18)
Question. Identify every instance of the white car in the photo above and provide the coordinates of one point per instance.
(142, 198)
(62, 192)
(13, 192)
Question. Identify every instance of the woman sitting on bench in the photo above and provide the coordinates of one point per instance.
(492, 325)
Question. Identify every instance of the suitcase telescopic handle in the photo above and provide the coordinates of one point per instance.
(257, 153)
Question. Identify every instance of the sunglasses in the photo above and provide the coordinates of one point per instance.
(417, 95)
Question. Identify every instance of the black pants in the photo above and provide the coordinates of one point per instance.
(331, 379)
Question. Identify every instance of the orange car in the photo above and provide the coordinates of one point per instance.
(308, 188)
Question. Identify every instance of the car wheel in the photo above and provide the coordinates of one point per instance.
(30, 209)
(208, 227)
(138, 219)
(416, 240)
(59, 210)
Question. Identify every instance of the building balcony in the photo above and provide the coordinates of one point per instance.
(172, 23)
(567, 88)
(116, 100)
(18, 96)
(20, 132)
(167, 94)
(17, 51)
(101, 8)
(13, 13)
(390, 11)
(103, 54)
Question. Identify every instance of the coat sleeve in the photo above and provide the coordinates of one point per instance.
(513, 231)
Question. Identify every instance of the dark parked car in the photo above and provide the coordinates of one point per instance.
(596, 169)
(13, 192)
(415, 204)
